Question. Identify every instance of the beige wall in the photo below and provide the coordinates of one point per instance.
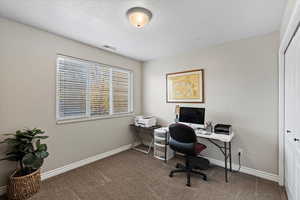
(241, 88)
(287, 15)
(27, 88)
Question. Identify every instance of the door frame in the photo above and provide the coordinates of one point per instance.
(287, 37)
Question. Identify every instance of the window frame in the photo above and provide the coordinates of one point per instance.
(88, 116)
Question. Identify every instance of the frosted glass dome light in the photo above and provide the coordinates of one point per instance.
(139, 16)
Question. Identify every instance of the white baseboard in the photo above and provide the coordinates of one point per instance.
(2, 190)
(83, 162)
(74, 165)
(247, 170)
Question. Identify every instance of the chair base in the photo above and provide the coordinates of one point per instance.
(182, 168)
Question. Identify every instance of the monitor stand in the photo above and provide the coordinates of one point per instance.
(194, 126)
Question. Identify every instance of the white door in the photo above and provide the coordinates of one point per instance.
(289, 129)
(291, 114)
(296, 139)
(297, 175)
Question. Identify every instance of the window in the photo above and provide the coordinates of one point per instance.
(87, 90)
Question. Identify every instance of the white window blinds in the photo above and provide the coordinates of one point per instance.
(72, 88)
(99, 90)
(121, 93)
(90, 90)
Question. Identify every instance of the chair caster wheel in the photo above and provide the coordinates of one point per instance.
(171, 175)
(205, 178)
(189, 185)
(177, 165)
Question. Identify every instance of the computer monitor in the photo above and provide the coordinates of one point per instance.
(189, 115)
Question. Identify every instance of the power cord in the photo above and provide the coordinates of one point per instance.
(239, 162)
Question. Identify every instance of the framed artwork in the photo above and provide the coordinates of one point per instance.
(185, 87)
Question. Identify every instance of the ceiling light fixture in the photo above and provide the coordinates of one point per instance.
(139, 16)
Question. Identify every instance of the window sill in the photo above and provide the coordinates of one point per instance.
(68, 121)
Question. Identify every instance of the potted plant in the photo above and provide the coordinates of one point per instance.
(25, 147)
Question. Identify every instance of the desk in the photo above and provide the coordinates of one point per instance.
(138, 130)
(226, 149)
(213, 137)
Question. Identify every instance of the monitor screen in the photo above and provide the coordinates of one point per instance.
(192, 115)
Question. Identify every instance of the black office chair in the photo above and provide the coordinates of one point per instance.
(183, 140)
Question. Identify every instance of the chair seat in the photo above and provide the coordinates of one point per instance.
(199, 148)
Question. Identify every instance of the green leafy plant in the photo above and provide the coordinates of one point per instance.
(26, 149)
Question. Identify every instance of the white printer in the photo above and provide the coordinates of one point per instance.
(145, 121)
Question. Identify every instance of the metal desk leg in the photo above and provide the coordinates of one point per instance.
(226, 151)
(143, 151)
(166, 147)
(226, 170)
(166, 153)
(134, 141)
(151, 145)
(138, 133)
(230, 161)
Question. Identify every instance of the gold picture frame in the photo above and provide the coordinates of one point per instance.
(185, 86)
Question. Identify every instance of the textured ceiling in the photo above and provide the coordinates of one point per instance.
(176, 26)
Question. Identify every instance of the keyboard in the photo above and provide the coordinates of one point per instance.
(202, 132)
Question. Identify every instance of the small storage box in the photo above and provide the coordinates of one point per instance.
(159, 154)
(160, 132)
(162, 151)
(160, 141)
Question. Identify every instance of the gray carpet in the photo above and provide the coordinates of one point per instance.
(132, 175)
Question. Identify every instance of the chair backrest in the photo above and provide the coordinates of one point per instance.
(182, 139)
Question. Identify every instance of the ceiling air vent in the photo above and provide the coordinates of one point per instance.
(110, 48)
